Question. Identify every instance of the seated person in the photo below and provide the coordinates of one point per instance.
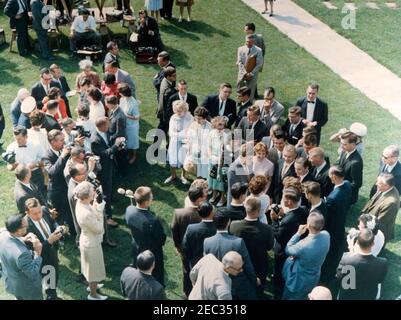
(83, 30)
(148, 31)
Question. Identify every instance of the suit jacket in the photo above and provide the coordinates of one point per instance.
(50, 123)
(23, 193)
(276, 187)
(385, 208)
(212, 104)
(369, 272)
(136, 285)
(124, 77)
(109, 58)
(259, 239)
(243, 54)
(11, 9)
(38, 92)
(237, 173)
(271, 118)
(192, 244)
(244, 284)
(21, 271)
(54, 166)
(167, 89)
(181, 219)
(259, 131)
(396, 172)
(106, 153)
(15, 112)
(236, 212)
(63, 85)
(326, 186)
(285, 228)
(320, 114)
(158, 78)
(322, 209)
(192, 101)
(353, 168)
(296, 134)
(118, 124)
(91, 223)
(242, 111)
(301, 270)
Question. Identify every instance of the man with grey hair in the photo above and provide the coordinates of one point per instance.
(385, 204)
(249, 62)
(320, 293)
(258, 238)
(301, 270)
(390, 163)
(211, 278)
(139, 284)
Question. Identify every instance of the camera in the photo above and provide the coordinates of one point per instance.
(9, 157)
(122, 144)
(276, 208)
(96, 160)
(92, 178)
(81, 132)
(63, 230)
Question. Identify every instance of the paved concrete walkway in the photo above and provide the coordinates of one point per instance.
(339, 54)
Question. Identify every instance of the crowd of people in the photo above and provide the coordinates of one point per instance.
(263, 184)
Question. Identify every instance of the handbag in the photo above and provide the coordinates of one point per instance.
(213, 171)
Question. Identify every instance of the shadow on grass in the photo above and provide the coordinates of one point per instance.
(8, 76)
(195, 26)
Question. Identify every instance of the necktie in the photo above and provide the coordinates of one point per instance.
(284, 170)
(23, 5)
(385, 168)
(221, 108)
(23, 146)
(313, 102)
(42, 227)
(375, 198)
(291, 129)
(315, 172)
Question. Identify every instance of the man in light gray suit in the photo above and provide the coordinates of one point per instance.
(246, 54)
(301, 270)
(20, 267)
(121, 76)
(270, 109)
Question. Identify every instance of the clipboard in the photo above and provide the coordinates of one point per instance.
(250, 63)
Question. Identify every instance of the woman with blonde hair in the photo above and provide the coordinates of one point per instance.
(261, 165)
(178, 129)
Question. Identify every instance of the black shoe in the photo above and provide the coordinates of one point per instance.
(127, 12)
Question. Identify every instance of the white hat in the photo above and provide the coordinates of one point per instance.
(28, 105)
(359, 129)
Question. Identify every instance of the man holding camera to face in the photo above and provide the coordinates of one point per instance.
(49, 233)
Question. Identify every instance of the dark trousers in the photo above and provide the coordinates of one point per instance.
(43, 41)
(106, 180)
(126, 4)
(186, 281)
(86, 38)
(59, 200)
(279, 260)
(21, 26)
(39, 180)
(167, 10)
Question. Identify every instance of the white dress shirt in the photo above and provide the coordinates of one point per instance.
(223, 108)
(310, 109)
(96, 111)
(79, 25)
(320, 168)
(45, 225)
(32, 153)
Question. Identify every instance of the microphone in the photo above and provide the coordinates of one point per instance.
(121, 191)
(129, 193)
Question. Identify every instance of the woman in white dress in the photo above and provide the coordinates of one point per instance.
(198, 133)
(36, 134)
(90, 219)
(261, 165)
(178, 130)
(96, 106)
(130, 106)
(258, 188)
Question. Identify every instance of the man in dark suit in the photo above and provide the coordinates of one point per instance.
(351, 161)
(49, 122)
(167, 11)
(117, 130)
(367, 270)
(320, 170)
(221, 104)
(127, 7)
(338, 204)
(41, 88)
(314, 110)
(182, 218)
(62, 81)
(315, 202)
(390, 163)
(20, 265)
(253, 129)
(47, 231)
(38, 14)
(139, 284)
(236, 207)
(285, 168)
(285, 225)
(24, 189)
(163, 60)
(102, 146)
(146, 230)
(55, 160)
(182, 95)
(148, 31)
(167, 89)
(258, 238)
(244, 102)
(192, 244)
(17, 10)
(111, 55)
(294, 125)
(244, 284)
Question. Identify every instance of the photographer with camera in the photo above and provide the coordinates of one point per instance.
(20, 267)
(72, 135)
(104, 147)
(88, 125)
(21, 151)
(78, 156)
(41, 224)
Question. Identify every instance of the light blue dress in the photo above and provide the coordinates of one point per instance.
(130, 106)
(153, 5)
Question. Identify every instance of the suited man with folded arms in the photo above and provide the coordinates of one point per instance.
(270, 109)
(167, 89)
(314, 110)
(320, 171)
(244, 285)
(21, 266)
(301, 270)
(221, 104)
(294, 125)
(163, 60)
(351, 162)
(248, 72)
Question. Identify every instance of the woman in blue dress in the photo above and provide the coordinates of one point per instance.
(154, 7)
(130, 106)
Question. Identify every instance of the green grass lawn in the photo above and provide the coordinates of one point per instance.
(205, 54)
(377, 31)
